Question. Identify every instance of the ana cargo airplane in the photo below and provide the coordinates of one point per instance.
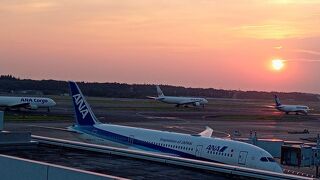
(199, 146)
(31, 103)
(290, 108)
(179, 101)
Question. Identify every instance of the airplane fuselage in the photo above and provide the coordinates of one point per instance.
(183, 100)
(26, 102)
(293, 108)
(201, 146)
(184, 145)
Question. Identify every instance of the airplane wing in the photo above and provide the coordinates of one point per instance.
(302, 111)
(69, 129)
(206, 133)
(21, 105)
(269, 106)
(155, 98)
(189, 102)
(151, 97)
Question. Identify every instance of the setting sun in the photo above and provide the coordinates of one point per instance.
(277, 64)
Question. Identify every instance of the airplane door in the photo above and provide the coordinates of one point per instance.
(198, 150)
(242, 157)
(130, 139)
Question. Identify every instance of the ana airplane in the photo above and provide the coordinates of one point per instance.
(290, 108)
(178, 101)
(199, 146)
(32, 103)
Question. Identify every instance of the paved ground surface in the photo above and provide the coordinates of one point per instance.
(223, 115)
(110, 164)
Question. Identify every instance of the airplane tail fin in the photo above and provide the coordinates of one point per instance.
(160, 93)
(83, 113)
(277, 100)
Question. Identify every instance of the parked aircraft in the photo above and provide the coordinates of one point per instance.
(179, 101)
(290, 108)
(31, 103)
(198, 146)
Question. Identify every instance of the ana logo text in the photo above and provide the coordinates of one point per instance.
(34, 100)
(81, 105)
(216, 148)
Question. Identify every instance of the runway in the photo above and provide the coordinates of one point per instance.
(222, 117)
(225, 116)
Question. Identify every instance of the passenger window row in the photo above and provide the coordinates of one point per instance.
(220, 153)
(172, 146)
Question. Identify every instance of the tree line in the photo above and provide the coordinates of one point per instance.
(9, 83)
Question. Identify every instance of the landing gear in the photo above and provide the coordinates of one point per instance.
(287, 112)
(23, 114)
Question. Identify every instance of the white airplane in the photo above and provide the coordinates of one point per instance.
(199, 146)
(31, 103)
(290, 108)
(178, 101)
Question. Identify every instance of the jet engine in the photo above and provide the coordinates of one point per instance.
(33, 107)
(196, 104)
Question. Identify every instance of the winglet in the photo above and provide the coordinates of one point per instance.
(83, 113)
(206, 133)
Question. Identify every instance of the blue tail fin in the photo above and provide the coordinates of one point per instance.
(83, 112)
(160, 93)
(277, 100)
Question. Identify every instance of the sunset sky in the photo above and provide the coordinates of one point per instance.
(226, 44)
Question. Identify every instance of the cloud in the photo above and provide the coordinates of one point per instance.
(304, 60)
(272, 30)
(33, 6)
(306, 51)
(294, 2)
(278, 47)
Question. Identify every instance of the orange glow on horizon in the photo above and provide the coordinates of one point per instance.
(218, 44)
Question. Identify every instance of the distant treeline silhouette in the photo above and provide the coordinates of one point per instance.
(9, 83)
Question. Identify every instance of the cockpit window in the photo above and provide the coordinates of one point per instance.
(264, 159)
(271, 159)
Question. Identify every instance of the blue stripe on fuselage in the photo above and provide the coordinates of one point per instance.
(103, 134)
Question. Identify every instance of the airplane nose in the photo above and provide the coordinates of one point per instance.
(277, 169)
(54, 103)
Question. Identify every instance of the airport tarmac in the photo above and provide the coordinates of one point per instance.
(110, 164)
(223, 115)
(190, 123)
